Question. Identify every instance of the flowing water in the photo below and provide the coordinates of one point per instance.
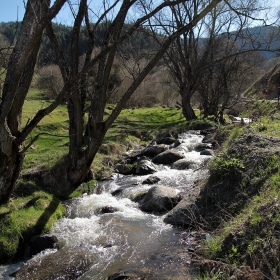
(128, 239)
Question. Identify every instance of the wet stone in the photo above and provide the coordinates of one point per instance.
(107, 209)
(159, 199)
(168, 157)
(42, 242)
(145, 167)
(182, 164)
(151, 180)
(207, 152)
(131, 275)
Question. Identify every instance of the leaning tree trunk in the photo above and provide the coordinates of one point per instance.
(18, 78)
(10, 163)
(79, 171)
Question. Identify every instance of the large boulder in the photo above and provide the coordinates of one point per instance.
(124, 169)
(207, 152)
(149, 151)
(151, 180)
(152, 151)
(167, 141)
(40, 243)
(202, 146)
(159, 199)
(145, 167)
(185, 213)
(168, 157)
(183, 164)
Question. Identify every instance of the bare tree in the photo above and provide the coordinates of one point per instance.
(86, 131)
(50, 81)
(229, 73)
(212, 45)
(17, 81)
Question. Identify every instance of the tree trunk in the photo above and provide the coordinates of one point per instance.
(17, 82)
(79, 171)
(187, 109)
(10, 164)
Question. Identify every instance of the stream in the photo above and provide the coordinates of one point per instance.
(127, 242)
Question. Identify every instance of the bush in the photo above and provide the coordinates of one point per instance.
(50, 80)
(222, 167)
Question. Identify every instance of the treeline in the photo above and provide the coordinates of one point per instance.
(141, 40)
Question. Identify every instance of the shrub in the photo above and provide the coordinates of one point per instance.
(50, 80)
(222, 167)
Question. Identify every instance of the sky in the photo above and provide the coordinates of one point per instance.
(11, 10)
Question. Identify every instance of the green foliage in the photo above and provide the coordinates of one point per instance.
(86, 187)
(223, 167)
(214, 246)
(234, 255)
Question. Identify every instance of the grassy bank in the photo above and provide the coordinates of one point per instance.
(133, 126)
(240, 202)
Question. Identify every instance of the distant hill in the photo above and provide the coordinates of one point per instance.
(141, 41)
(266, 37)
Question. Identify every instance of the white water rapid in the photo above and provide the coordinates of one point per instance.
(129, 239)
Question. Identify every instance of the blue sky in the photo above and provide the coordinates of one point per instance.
(11, 8)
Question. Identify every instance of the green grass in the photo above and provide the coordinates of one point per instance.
(35, 94)
(267, 115)
(247, 235)
(25, 217)
(51, 145)
(126, 132)
(151, 120)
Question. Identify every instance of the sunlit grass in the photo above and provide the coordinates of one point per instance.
(249, 231)
(53, 143)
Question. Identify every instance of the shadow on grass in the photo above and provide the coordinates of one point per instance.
(40, 227)
(33, 211)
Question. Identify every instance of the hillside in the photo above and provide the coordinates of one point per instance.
(265, 37)
(269, 80)
(239, 204)
(141, 41)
